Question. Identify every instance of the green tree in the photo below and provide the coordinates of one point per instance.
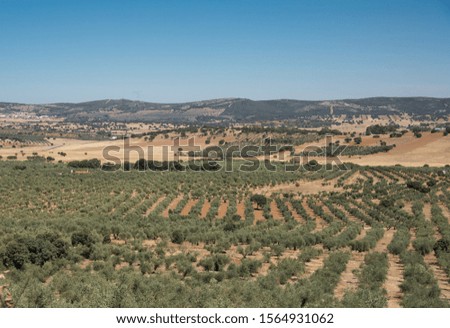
(260, 200)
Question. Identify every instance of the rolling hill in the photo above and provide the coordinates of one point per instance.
(233, 109)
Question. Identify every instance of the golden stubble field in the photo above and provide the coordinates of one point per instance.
(432, 149)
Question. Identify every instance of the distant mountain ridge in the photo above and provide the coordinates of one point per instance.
(233, 109)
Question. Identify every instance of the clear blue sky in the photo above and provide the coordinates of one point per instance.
(173, 51)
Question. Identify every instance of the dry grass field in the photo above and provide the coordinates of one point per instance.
(431, 148)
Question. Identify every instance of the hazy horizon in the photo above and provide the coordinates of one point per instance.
(211, 99)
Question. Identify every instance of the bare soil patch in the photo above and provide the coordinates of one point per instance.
(320, 222)
(240, 210)
(313, 265)
(258, 214)
(185, 211)
(445, 212)
(431, 148)
(394, 278)
(363, 232)
(408, 208)
(348, 280)
(155, 204)
(440, 275)
(222, 209)
(301, 186)
(275, 211)
(294, 213)
(354, 178)
(205, 208)
(172, 206)
(411, 241)
(382, 244)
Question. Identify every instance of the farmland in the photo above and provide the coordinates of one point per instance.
(224, 163)
(340, 236)
(66, 142)
(339, 209)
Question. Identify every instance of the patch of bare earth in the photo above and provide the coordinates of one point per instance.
(353, 179)
(302, 186)
(48, 280)
(313, 265)
(371, 175)
(382, 244)
(258, 214)
(408, 208)
(411, 241)
(445, 212)
(205, 209)
(395, 271)
(275, 211)
(187, 247)
(327, 210)
(363, 232)
(155, 204)
(150, 243)
(237, 258)
(136, 206)
(222, 209)
(410, 151)
(401, 179)
(240, 210)
(118, 241)
(320, 222)
(394, 278)
(294, 213)
(427, 215)
(173, 204)
(85, 263)
(121, 265)
(348, 279)
(349, 216)
(187, 209)
(117, 203)
(439, 274)
(383, 176)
